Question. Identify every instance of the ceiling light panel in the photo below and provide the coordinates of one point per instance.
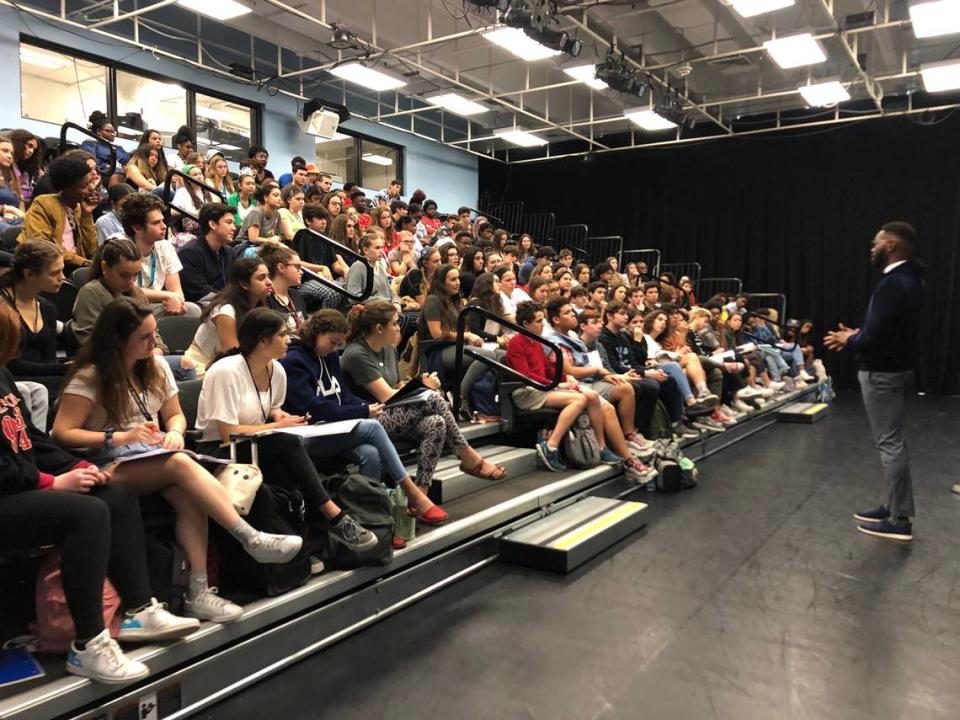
(931, 19)
(587, 75)
(517, 42)
(367, 77)
(648, 120)
(795, 51)
(824, 94)
(216, 9)
(457, 104)
(749, 8)
(377, 159)
(941, 76)
(521, 138)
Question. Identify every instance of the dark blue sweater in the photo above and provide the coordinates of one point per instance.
(887, 341)
(316, 386)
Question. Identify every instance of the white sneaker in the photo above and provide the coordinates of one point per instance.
(207, 605)
(270, 548)
(806, 377)
(155, 622)
(742, 407)
(730, 412)
(640, 445)
(748, 392)
(764, 392)
(103, 660)
(775, 385)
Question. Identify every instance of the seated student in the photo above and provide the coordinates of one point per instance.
(651, 296)
(564, 279)
(147, 168)
(580, 299)
(544, 271)
(471, 267)
(262, 224)
(159, 276)
(190, 198)
(65, 218)
(248, 288)
(37, 268)
(615, 393)
(438, 325)
(635, 300)
(416, 283)
(49, 497)
(509, 292)
(286, 271)
(317, 389)
(542, 256)
(101, 126)
(242, 393)
(243, 200)
(116, 392)
(402, 259)
(527, 356)
(371, 245)
(618, 293)
(320, 258)
(704, 341)
(208, 258)
(491, 260)
(655, 326)
(597, 291)
(372, 366)
(615, 278)
(790, 352)
(113, 275)
(109, 223)
(733, 338)
(777, 366)
(581, 275)
(539, 290)
(291, 216)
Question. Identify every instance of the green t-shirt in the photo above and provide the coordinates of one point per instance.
(361, 365)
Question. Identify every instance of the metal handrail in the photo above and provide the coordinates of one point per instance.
(89, 133)
(203, 186)
(461, 350)
(651, 272)
(716, 282)
(344, 250)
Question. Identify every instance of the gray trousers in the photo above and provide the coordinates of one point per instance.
(883, 398)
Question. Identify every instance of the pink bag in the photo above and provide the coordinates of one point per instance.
(54, 629)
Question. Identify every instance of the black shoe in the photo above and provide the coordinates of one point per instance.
(872, 516)
(697, 410)
(888, 529)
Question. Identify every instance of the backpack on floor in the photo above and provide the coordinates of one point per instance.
(54, 630)
(275, 509)
(367, 502)
(483, 395)
(660, 425)
(580, 447)
(168, 568)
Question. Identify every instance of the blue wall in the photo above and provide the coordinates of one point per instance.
(448, 175)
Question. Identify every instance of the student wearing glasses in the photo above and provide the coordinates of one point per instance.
(286, 272)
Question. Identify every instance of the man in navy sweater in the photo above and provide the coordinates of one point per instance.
(885, 348)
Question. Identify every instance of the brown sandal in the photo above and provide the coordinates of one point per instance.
(498, 472)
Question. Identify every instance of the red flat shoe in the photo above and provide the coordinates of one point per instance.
(398, 543)
(434, 516)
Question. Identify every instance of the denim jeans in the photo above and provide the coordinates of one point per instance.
(679, 376)
(180, 373)
(368, 445)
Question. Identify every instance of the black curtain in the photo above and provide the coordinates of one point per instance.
(792, 213)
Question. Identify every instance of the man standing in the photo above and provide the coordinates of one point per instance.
(885, 348)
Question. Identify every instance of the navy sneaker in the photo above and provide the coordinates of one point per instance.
(550, 458)
(609, 457)
(872, 516)
(888, 529)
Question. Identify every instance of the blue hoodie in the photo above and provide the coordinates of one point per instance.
(316, 386)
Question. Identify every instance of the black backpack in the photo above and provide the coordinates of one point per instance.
(367, 502)
(275, 509)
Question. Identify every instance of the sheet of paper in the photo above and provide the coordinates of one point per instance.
(341, 427)
(593, 359)
(159, 452)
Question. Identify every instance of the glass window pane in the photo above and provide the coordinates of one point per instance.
(57, 88)
(224, 125)
(144, 104)
(336, 157)
(379, 164)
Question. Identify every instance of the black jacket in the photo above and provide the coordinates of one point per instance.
(619, 352)
(204, 271)
(887, 341)
(28, 457)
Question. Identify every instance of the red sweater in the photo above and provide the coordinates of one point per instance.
(526, 356)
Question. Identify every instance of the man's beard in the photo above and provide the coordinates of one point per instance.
(880, 259)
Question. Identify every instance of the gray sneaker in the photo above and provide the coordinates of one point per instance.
(207, 605)
(353, 534)
(270, 548)
(550, 458)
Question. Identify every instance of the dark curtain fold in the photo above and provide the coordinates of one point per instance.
(786, 213)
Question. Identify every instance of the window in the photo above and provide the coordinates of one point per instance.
(369, 163)
(223, 124)
(144, 104)
(58, 88)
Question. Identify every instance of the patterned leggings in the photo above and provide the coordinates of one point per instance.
(432, 425)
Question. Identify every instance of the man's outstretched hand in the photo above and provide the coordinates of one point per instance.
(837, 339)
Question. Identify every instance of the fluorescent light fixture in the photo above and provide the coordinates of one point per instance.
(41, 59)
(649, 120)
(585, 74)
(457, 104)
(216, 9)
(211, 113)
(367, 77)
(823, 94)
(522, 138)
(749, 8)
(935, 18)
(377, 159)
(795, 51)
(516, 41)
(941, 76)
(336, 136)
(224, 146)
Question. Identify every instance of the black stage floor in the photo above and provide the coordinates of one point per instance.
(751, 597)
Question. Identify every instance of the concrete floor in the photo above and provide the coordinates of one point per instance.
(750, 597)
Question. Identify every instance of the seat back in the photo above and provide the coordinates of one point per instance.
(516, 420)
(177, 331)
(10, 236)
(63, 300)
(189, 399)
(80, 276)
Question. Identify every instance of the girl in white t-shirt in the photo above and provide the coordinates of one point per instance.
(243, 393)
(113, 398)
(248, 287)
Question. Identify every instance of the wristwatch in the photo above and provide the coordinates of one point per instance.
(108, 438)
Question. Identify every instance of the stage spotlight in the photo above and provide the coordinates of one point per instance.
(615, 73)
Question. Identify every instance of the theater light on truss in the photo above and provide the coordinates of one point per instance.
(649, 120)
(371, 79)
(795, 51)
(216, 9)
(930, 19)
(824, 94)
(516, 41)
(749, 8)
(457, 104)
(941, 76)
(521, 138)
(587, 75)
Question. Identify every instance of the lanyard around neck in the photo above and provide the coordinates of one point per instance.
(153, 269)
(263, 413)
